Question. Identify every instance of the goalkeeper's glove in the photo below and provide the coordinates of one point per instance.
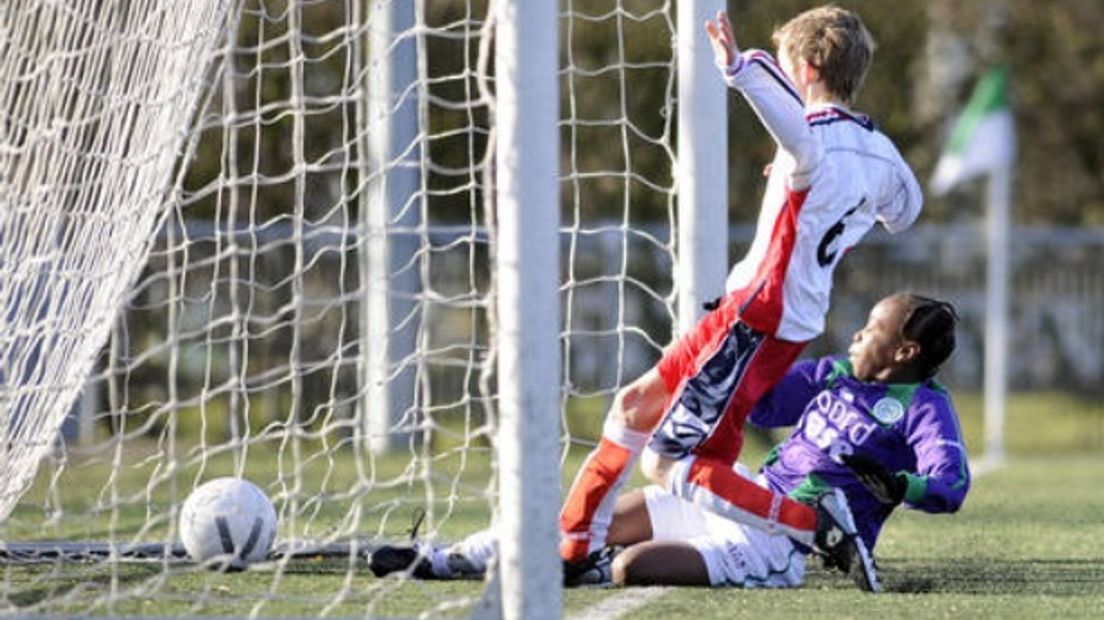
(887, 487)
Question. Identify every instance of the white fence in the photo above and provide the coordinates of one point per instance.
(615, 326)
(1057, 305)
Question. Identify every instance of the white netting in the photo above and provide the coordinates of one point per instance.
(95, 98)
(312, 313)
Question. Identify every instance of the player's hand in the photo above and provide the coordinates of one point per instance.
(722, 40)
(887, 487)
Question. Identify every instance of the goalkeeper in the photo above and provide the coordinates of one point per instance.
(875, 425)
(833, 178)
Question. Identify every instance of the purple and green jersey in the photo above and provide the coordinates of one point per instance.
(910, 428)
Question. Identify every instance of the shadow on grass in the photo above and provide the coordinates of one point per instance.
(1030, 577)
(51, 583)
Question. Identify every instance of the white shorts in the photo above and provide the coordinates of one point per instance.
(735, 554)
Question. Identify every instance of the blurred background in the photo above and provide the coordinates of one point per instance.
(929, 57)
(219, 327)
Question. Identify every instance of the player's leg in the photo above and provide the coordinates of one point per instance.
(631, 522)
(637, 409)
(467, 559)
(588, 508)
(700, 471)
(763, 562)
(660, 562)
(471, 557)
(655, 525)
(827, 526)
(711, 483)
(701, 434)
(694, 547)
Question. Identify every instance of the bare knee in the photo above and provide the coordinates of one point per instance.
(621, 565)
(674, 563)
(639, 405)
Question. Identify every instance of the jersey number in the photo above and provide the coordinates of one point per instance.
(826, 438)
(825, 253)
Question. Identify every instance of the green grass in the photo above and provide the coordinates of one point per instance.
(1029, 542)
(1038, 423)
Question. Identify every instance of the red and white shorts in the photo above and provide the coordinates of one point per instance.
(715, 374)
(734, 554)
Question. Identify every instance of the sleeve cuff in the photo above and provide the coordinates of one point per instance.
(917, 487)
(731, 71)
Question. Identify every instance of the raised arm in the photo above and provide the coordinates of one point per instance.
(771, 95)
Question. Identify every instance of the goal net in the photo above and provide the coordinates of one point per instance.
(255, 238)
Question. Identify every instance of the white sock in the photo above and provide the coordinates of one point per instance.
(473, 554)
(438, 560)
(624, 436)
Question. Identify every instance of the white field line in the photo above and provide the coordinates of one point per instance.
(621, 603)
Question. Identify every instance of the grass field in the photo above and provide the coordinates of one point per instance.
(1029, 543)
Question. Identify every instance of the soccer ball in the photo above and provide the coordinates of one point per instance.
(227, 523)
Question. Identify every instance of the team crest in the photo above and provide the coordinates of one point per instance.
(888, 411)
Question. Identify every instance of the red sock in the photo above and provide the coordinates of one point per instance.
(586, 514)
(715, 486)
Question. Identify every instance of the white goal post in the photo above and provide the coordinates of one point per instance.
(376, 256)
(527, 321)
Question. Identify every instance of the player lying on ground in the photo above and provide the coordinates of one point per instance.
(834, 176)
(874, 426)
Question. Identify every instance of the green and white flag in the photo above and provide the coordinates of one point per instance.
(983, 138)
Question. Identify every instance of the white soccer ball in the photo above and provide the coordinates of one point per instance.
(227, 523)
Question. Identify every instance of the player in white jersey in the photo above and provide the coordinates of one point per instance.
(834, 176)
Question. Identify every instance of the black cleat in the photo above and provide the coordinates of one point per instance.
(400, 559)
(838, 540)
(594, 570)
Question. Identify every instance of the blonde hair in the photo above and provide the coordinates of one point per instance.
(835, 42)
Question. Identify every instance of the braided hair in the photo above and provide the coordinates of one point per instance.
(931, 324)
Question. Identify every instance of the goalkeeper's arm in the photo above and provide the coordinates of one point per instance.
(942, 475)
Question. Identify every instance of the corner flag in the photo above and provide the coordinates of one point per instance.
(983, 142)
(983, 138)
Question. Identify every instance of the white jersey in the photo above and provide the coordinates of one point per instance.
(834, 176)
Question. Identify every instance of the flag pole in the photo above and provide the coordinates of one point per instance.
(998, 197)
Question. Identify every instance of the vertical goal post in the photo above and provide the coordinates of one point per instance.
(527, 324)
(390, 212)
(702, 165)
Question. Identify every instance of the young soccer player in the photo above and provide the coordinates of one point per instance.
(834, 176)
(874, 425)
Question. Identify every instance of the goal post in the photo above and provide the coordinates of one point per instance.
(390, 211)
(702, 165)
(527, 324)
